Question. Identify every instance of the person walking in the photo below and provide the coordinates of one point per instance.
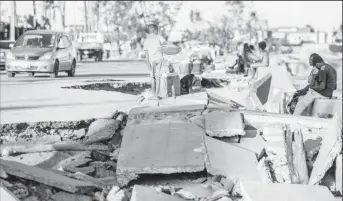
(321, 83)
(154, 58)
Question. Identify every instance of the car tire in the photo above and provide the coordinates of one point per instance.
(71, 72)
(10, 74)
(31, 74)
(54, 74)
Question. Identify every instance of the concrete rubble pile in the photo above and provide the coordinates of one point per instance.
(190, 147)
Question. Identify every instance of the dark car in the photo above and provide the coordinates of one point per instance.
(5, 47)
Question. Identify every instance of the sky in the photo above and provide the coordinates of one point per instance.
(323, 15)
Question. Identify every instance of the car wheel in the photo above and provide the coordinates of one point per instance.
(71, 72)
(10, 74)
(31, 74)
(55, 73)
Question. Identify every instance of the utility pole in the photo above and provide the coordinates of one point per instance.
(34, 14)
(12, 26)
(86, 17)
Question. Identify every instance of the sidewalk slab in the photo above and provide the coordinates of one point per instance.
(142, 193)
(254, 191)
(160, 148)
(231, 161)
(330, 149)
(224, 124)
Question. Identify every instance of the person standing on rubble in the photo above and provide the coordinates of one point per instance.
(260, 62)
(321, 83)
(154, 58)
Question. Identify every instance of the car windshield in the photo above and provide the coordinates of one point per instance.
(36, 40)
(88, 38)
(5, 44)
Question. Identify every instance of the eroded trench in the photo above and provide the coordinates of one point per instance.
(132, 88)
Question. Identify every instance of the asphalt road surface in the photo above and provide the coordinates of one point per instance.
(41, 98)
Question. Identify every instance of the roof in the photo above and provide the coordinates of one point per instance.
(42, 32)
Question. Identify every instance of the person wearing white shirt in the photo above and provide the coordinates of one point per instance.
(154, 58)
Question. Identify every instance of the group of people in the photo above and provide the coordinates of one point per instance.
(322, 80)
(249, 60)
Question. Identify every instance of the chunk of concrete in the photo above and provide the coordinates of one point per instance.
(117, 194)
(102, 129)
(63, 196)
(7, 195)
(322, 106)
(228, 160)
(45, 177)
(160, 148)
(223, 124)
(331, 147)
(195, 191)
(254, 144)
(188, 99)
(338, 174)
(147, 115)
(254, 191)
(142, 193)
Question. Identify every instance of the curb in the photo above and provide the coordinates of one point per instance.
(114, 60)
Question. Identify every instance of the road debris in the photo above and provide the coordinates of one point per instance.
(222, 124)
(192, 147)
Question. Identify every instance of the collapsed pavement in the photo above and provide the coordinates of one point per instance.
(176, 151)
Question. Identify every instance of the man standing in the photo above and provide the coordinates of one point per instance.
(321, 83)
(154, 57)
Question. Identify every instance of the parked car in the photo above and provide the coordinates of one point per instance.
(5, 46)
(90, 45)
(42, 51)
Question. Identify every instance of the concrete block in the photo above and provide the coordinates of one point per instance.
(224, 124)
(195, 191)
(254, 191)
(326, 106)
(339, 174)
(228, 160)
(142, 193)
(102, 129)
(330, 149)
(7, 195)
(160, 148)
(188, 99)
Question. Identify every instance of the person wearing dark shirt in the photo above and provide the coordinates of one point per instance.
(321, 83)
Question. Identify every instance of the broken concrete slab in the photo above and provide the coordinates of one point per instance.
(237, 163)
(117, 194)
(31, 158)
(45, 177)
(259, 120)
(188, 99)
(295, 155)
(101, 130)
(63, 196)
(324, 106)
(254, 191)
(7, 195)
(142, 193)
(147, 115)
(264, 171)
(330, 149)
(77, 160)
(160, 148)
(224, 124)
(195, 191)
(255, 144)
(338, 174)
